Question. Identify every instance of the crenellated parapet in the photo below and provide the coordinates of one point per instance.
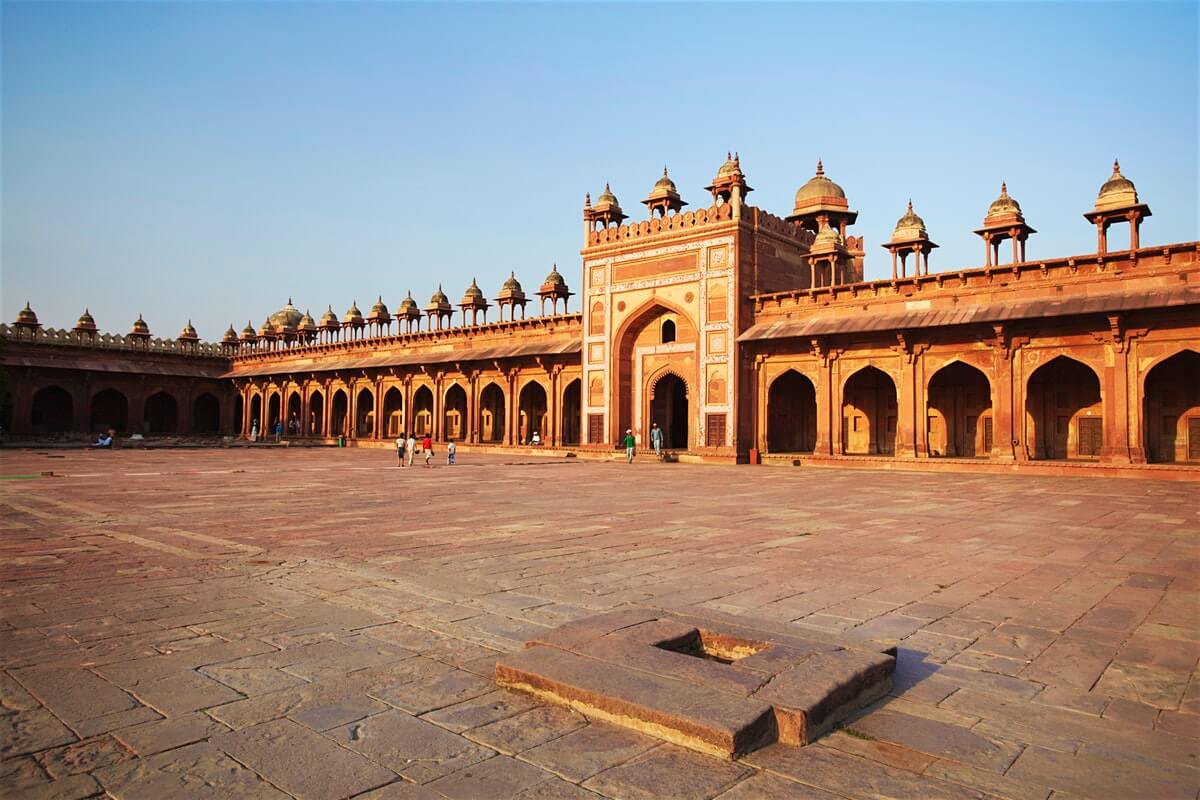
(62, 337)
(672, 223)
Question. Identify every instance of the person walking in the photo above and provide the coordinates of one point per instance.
(410, 448)
(630, 443)
(427, 449)
(400, 451)
(656, 439)
(451, 449)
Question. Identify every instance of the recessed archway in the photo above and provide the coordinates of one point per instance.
(316, 413)
(532, 408)
(639, 352)
(791, 414)
(1171, 409)
(239, 407)
(206, 414)
(393, 412)
(959, 422)
(293, 427)
(455, 414)
(364, 410)
(669, 408)
(1064, 410)
(491, 414)
(869, 413)
(339, 413)
(161, 413)
(273, 412)
(423, 412)
(110, 409)
(572, 409)
(255, 425)
(53, 410)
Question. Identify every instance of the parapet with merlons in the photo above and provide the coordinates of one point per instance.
(62, 337)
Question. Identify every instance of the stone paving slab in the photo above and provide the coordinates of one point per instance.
(1047, 629)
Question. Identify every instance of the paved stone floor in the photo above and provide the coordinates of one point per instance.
(318, 623)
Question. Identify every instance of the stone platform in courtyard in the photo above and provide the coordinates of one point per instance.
(317, 623)
(716, 683)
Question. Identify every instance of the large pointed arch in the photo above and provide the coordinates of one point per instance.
(1064, 410)
(1171, 409)
(959, 418)
(791, 414)
(869, 413)
(491, 413)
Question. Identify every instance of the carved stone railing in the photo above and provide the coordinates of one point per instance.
(62, 337)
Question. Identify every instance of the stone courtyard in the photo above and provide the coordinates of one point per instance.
(316, 623)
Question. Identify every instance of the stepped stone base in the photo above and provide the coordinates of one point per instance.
(716, 683)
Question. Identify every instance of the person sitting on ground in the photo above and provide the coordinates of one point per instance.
(105, 439)
(536, 440)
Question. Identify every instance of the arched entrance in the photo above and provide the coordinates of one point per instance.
(791, 414)
(423, 412)
(393, 412)
(364, 408)
(255, 422)
(455, 414)
(162, 413)
(669, 408)
(572, 410)
(641, 352)
(239, 407)
(273, 403)
(1171, 409)
(869, 413)
(292, 426)
(959, 422)
(206, 414)
(491, 414)
(53, 410)
(316, 413)
(338, 413)
(532, 409)
(110, 409)
(1063, 407)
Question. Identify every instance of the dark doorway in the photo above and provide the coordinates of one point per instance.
(455, 414)
(273, 410)
(960, 404)
(364, 409)
(571, 412)
(316, 414)
(491, 414)
(1063, 401)
(669, 408)
(393, 412)
(255, 424)
(53, 410)
(206, 414)
(869, 413)
(292, 426)
(1172, 409)
(792, 414)
(162, 413)
(239, 407)
(337, 416)
(533, 412)
(423, 412)
(110, 409)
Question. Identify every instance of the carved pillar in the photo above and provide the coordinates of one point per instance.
(512, 407)
(379, 421)
(439, 409)
(555, 407)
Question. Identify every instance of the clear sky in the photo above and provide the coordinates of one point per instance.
(208, 160)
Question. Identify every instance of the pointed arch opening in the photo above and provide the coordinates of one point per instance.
(869, 413)
(572, 412)
(1171, 409)
(339, 413)
(364, 414)
(455, 414)
(52, 411)
(959, 420)
(532, 410)
(273, 412)
(254, 426)
(206, 414)
(639, 353)
(791, 414)
(110, 409)
(293, 427)
(1064, 411)
(162, 413)
(393, 412)
(669, 408)
(491, 414)
(239, 410)
(316, 413)
(423, 411)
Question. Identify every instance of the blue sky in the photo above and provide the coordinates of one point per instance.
(209, 160)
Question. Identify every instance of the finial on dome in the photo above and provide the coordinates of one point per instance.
(606, 187)
(587, 198)
(736, 158)
(1116, 166)
(289, 301)
(820, 167)
(729, 155)
(910, 205)
(1003, 187)
(665, 170)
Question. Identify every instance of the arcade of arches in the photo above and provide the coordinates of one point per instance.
(127, 408)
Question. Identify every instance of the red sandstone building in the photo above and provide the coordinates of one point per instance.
(745, 336)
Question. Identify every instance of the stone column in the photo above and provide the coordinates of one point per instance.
(1115, 406)
(439, 410)
(906, 408)
(511, 408)
(379, 421)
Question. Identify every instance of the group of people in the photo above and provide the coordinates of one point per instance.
(656, 441)
(406, 448)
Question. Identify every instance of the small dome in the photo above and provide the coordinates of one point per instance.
(85, 322)
(439, 298)
(230, 335)
(307, 323)
(1117, 191)
(329, 319)
(665, 183)
(267, 329)
(286, 317)
(910, 226)
(248, 331)
(379, 308)
(607, 198)
(512, 284)
(353, 315)
(473, 292)
(408, 303)
(1003, 204)
(26, 316)
(140, 328)
(818, 187)
(554, 279)
(188, 332)
(731, 168)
